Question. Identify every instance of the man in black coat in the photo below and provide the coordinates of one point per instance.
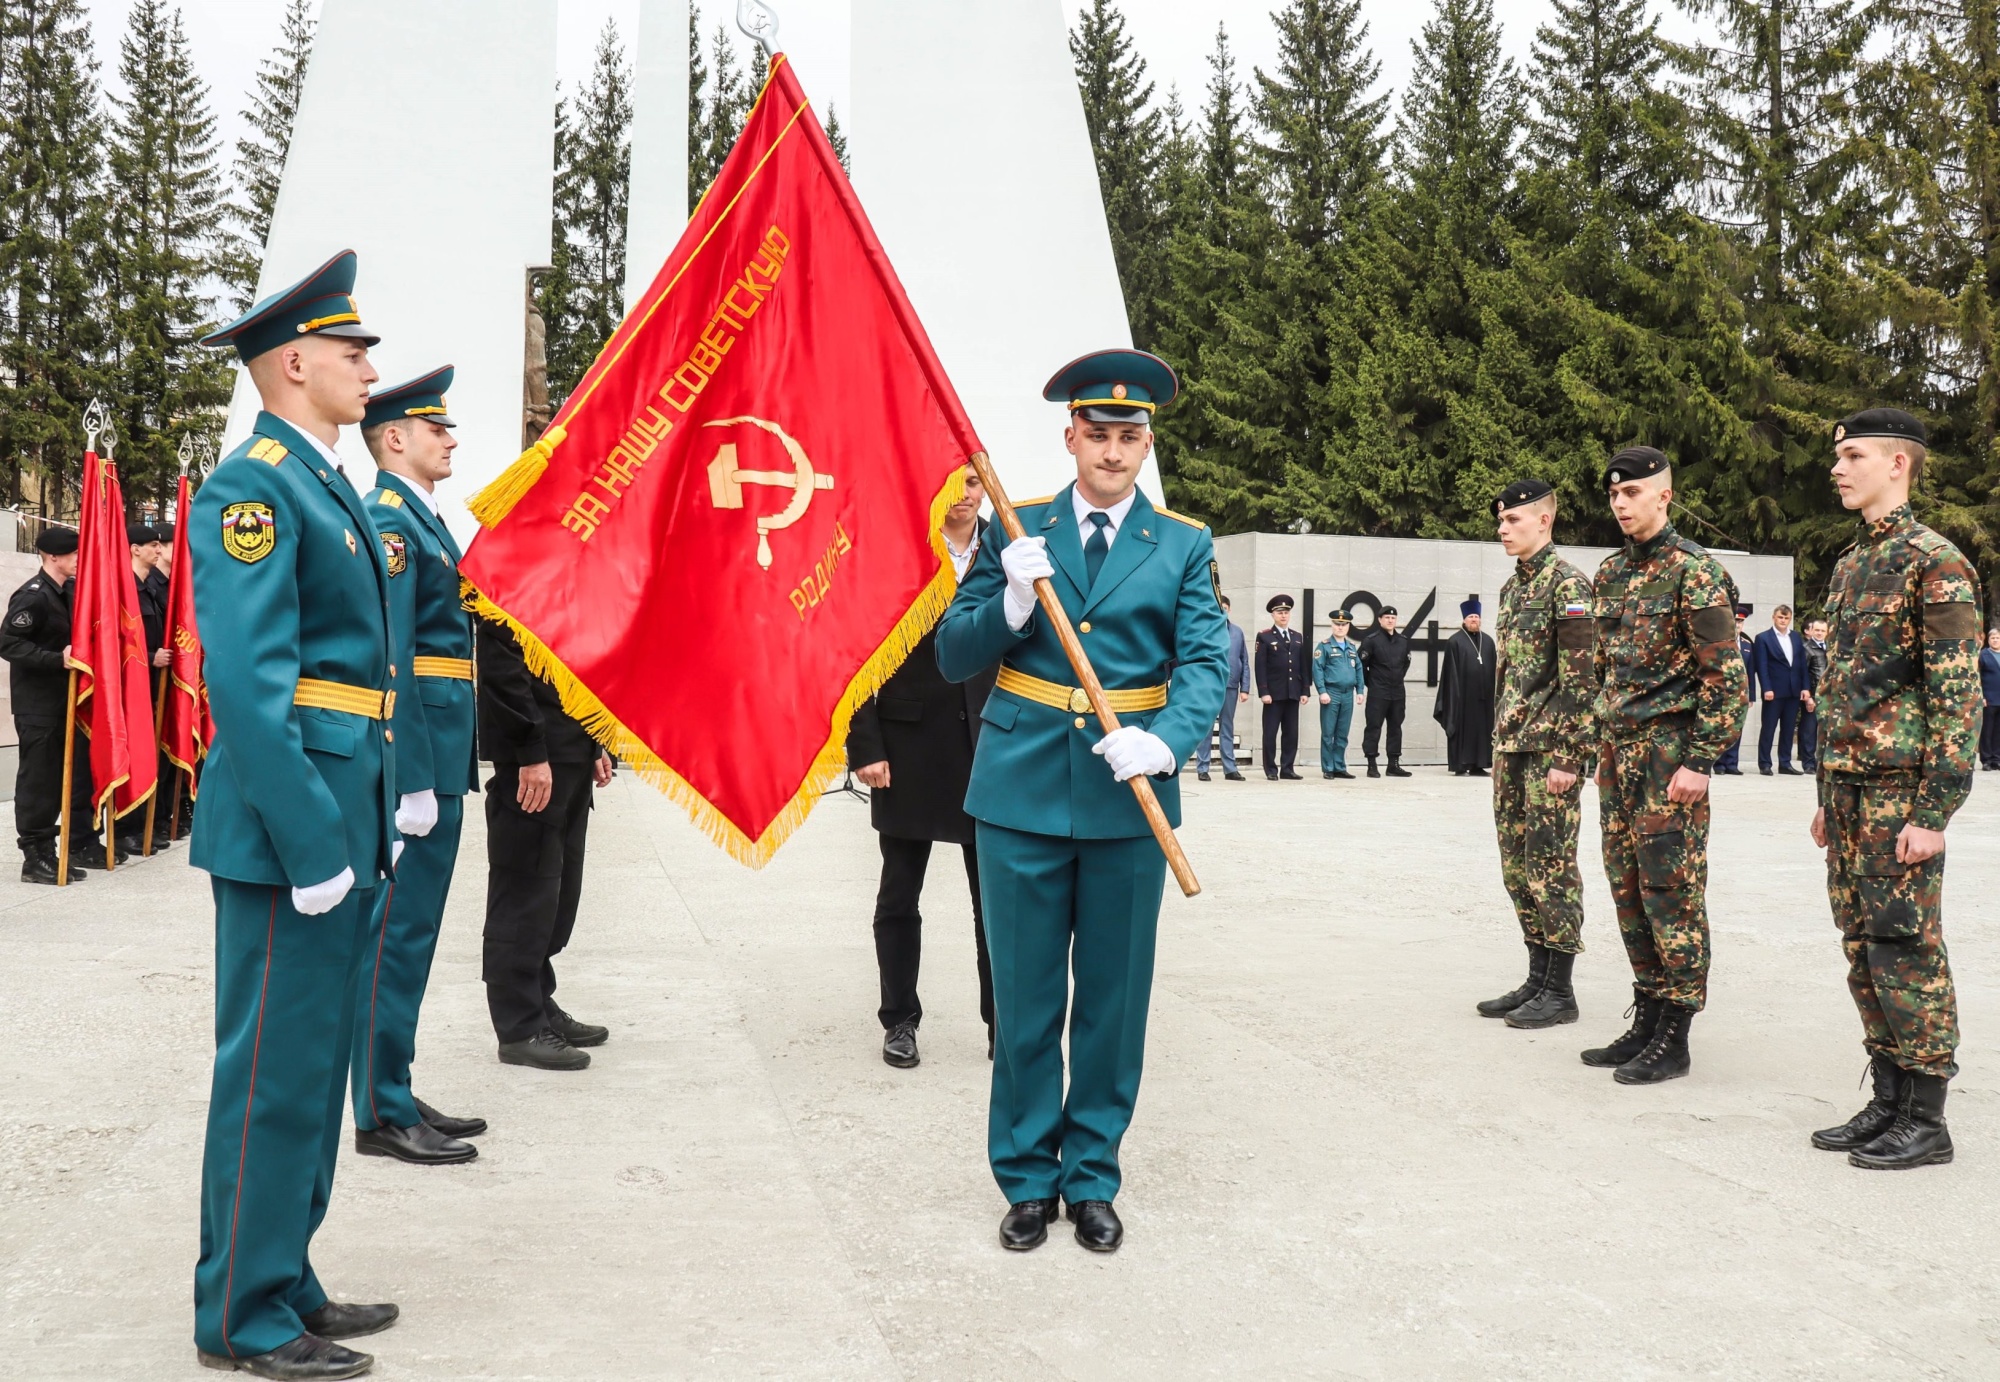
(911, 746)
(1284, 683)
(34, 639)
(1385, 656)
(546, 769)
(1465, 695)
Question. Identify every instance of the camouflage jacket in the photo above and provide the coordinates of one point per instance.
(1666, 646)
(1547, 682)
(1901, 694)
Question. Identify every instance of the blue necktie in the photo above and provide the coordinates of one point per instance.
(1099, 546)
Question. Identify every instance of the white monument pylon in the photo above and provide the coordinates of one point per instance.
(425, 142)
(657, 211)
(973, 159)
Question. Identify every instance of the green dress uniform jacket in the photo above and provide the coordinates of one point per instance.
(289, 585)
(435, 751)
(1070, 876)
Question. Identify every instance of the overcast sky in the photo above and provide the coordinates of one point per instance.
(1174, 36)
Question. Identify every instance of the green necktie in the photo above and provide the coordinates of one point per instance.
(1099, 546)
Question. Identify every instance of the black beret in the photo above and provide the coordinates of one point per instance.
(1635, 463)
(1386, 609)
(1519, 493)
(1277, 602)
(138, 533)
(1882, 422)
(56, 542)
(164, 532)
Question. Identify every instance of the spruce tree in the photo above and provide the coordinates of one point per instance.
(165, 222)
(716, 119)
(592, 188)
(261, 151)
(1126, 137)
(52, 335)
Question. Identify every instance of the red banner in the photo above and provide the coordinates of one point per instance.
(728, 538)
(114, 693)
(186, 730)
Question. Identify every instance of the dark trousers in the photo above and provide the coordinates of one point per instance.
(1380, 712)
(534, 880)
(899, 929)
(1808, 739)
(1281, 716)
(1780, 717)
(38, 786)
(1989, 737)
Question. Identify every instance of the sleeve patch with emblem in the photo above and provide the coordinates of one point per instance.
(249, 531)
(25, 619)
(397, 552)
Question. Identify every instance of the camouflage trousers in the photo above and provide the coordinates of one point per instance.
(1537, 830)
(1891, 926)
(1656, 860)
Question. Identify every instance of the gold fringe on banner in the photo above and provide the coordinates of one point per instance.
(511, 486)
(582, 704)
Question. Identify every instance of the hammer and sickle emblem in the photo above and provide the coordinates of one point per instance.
(726, 482)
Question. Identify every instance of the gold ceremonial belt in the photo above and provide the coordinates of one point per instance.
(456, 668)
(1074, 698)
(354, 700)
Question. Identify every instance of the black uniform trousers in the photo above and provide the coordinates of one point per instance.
(38, 786)
(1989, 737)
(899, 929)
(1281, 717)
(534, 880)
(1381, 711)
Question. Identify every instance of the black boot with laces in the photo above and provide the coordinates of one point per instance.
(1918, 1137)
(1556, 1003)
(1874, 1120)
(1666, 1055)
(1645, 1011)
(1538, 968)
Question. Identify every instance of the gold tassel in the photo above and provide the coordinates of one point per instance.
(511, 486)
(598, 721)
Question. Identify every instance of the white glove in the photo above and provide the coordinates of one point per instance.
(1132, 751)
(323, 897)
(417, 812)
(1025, 560)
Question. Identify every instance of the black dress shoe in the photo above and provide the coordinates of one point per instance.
(1026, 1225)
(336, 1321)
(574, 1032)
(1789, 772)
(1270, 777)
(1343, 775)
(421, 1145)
(39, 866)
(1232, 777)
(1097, 1226)
(899, 1046)
(1289, 776)
(545, 1050)
(448, 1125)
(90, 853)
(1476, 772)
(1200, 776)
(307, 1356)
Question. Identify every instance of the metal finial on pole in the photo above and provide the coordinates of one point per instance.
(760, 22)
(188, 450)
(96, 422)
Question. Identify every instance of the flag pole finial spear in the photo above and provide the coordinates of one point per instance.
(96, 423)
(187, 453)
(760, 22)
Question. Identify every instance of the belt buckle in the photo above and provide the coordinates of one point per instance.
(1079, 701)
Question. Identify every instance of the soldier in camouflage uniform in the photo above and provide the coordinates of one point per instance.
(1672, 698)
(1541, 725)
(1900, 710)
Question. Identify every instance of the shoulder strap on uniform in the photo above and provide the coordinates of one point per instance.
(1178, 517)
(387, 498)
(268, 451)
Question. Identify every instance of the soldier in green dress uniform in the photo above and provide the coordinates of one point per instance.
(295, 824)
(409, 433)
(1069, 872)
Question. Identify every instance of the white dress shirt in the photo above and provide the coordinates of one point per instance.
(1116, 513)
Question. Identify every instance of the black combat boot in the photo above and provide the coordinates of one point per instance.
(1918, 1137)
(1373, 771)
(1538, 967)
(1874, 1120)
(1556, 1003)
(1666, 1055)
(1645, 1012)
(1396, 768)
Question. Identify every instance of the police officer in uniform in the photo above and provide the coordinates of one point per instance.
(295, 824)
(1284, 685)
(35, 640)
(1068, 868)
(408, 432)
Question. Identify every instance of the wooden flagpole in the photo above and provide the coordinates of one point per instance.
(1086, 676)
(153, 802)
(69, 768)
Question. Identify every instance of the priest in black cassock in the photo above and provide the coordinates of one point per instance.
(1465, 695)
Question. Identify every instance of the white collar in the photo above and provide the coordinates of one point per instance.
(331, 456)
(430, 500)
(1116, 513)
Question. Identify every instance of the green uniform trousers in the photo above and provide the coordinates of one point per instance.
(1336, 717)
(1054, 905)
(1537, 830)
(1656, 860)
(284, 1025)
(396, 966)
(1891, 923)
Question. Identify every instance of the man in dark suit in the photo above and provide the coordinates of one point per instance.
(1728, 762)
(1785, 674)
(1284, 683)
(911, 746)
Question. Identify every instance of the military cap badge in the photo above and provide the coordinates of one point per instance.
(1840, 431)
(249, 531)
(397, 553)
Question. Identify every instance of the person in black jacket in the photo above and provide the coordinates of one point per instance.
(546, 768)
(1284, 683)
(1385, 655)
(35, 642)
(911, 746)
(148, 557)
